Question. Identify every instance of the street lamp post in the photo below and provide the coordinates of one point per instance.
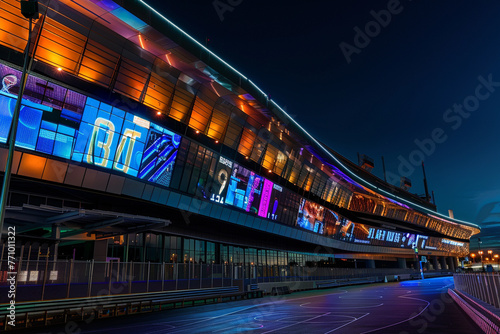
(29, 9)
(481, 258)
(498, 261)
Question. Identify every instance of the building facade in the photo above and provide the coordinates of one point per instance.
(136, 143)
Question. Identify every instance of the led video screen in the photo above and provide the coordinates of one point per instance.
(64, 123)
(218, 181)
(275, 203)
(244, 189)
(311, 216)
(265, 198)
(348, 231)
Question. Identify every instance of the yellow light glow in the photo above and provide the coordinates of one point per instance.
(140, 41)
(215, 90)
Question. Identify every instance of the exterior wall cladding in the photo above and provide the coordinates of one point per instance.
(122, 107)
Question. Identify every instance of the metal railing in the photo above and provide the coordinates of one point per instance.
(45, 280)
(483, 286)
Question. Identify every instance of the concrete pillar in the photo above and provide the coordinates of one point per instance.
(126, 248)
(370, 264)
(442, 261)
(56, 234)
(451, 263)
(426, 265)
(401, 263)
(434, 262)
(100, 250)
(162, 254)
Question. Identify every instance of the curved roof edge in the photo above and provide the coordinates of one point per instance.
(143, 10)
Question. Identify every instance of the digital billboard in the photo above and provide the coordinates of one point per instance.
(159, 155)
(60, 122)
(275, 202)
(311, 216)
(364, 234)
(218, 181)
(265, 198)
(244, 189)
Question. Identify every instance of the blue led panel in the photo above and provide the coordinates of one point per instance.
(110, 138)
(159, 156)
(7, 105)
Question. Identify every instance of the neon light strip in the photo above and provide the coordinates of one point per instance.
(194, 40)
(260, 90)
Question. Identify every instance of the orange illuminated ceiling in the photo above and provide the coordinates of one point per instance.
(107, 13)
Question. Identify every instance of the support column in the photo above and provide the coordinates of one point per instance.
(427, 265)
(451, 263)
(433, 260)
(401, 263)
(442, 261)
(100, 250)
(126, 248)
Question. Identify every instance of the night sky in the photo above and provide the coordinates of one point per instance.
(417, 78)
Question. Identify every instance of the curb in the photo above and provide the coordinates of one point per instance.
(485, 319)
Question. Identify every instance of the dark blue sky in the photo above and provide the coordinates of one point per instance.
(395, 90)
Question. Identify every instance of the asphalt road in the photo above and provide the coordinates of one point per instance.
(401, 307)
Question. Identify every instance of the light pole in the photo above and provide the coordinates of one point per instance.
(481, 258)
(29, 9)
(418, 263)
(498, 261)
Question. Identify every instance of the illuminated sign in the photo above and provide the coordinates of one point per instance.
(451, 242)
(226, 162)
